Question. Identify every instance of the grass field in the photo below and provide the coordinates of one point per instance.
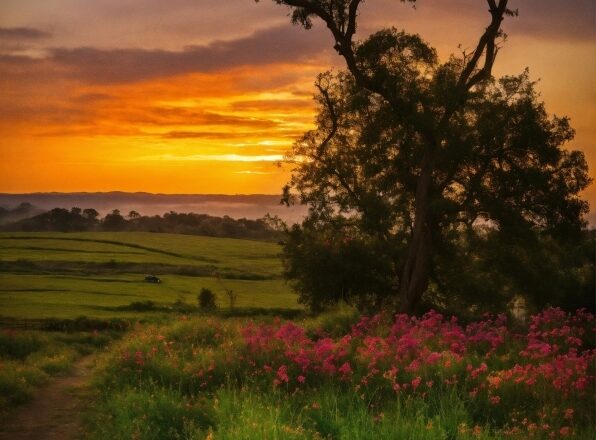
(66, 275)
(180, 374)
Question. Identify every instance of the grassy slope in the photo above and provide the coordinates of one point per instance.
(37, 293)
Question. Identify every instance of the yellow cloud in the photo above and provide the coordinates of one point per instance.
(216, 158)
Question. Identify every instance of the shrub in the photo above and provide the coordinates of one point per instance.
(19, 345)
(206, 299)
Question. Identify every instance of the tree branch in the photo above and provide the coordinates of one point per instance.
(333, 115)
(472, 74)
(319, 156)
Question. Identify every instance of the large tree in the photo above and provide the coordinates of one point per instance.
(410, 148)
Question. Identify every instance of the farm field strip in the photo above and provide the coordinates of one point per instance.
(66, 275)
(243, 256)
(105, 242)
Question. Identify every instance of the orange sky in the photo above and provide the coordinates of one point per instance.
(204, 96)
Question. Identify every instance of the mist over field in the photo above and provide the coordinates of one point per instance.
(252, 206)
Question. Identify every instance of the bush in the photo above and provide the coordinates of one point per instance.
(19, 345)
(338, 264)
(206, 299)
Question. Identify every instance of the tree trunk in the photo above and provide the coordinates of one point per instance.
(416, 271)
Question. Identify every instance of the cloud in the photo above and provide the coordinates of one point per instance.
(278, 105)
(88, 98)
(555, 19)
(219, 135)
(104, 66)
(198, 107)
(252, 172)
(22, 33)
(542, 19)
(150, 24)
(177, 116)
(216, 158)
(15, 40)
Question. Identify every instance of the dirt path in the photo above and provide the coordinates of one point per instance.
(54, 412)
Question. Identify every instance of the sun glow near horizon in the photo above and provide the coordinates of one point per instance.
(193, 133)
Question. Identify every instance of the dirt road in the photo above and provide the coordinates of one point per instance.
(54, 413)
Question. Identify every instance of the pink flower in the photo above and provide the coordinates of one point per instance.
(416, 382)
(301, 379)
(433, 358)
(345, 369)
(483, 368)
(282, 374)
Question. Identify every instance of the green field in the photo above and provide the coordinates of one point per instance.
(66, 275)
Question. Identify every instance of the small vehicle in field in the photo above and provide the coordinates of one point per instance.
(152, 279)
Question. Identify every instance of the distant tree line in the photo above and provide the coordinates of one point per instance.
(78, 220)
(21, 211)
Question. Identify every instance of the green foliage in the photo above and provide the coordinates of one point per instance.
(503, 191)
(17, 384)
(140, 306)
(335, 322)
(333, 263)
(28, 359)
(151, 414)
(488, 272)
(413, 152)
(19, 345)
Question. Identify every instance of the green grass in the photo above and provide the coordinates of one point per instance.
(150, 412)
(65, 275)
(29, 358)
(142, 247)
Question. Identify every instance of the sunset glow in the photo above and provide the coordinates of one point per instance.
(205, 97)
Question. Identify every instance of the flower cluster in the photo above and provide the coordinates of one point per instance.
(550, 363)
(532, 382)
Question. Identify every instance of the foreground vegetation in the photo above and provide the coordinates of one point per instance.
(28, 359)
(240, 373)
(343, 377)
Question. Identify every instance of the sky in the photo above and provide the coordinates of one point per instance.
(206, 96)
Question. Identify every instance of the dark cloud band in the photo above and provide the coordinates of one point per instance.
(100, 66)
(22, 33)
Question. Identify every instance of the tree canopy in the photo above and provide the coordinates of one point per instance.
(412, 154)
